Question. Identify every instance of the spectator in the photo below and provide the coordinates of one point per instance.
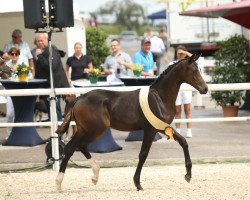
(25, 54)
(80, 64)
(164, 36)
(157, 48)
(42, 68)
(145, 57)
(118, 62)
(12, 63)
(183, 97)
(148, 33)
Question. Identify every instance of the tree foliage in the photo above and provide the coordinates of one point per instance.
(97, 47)
(128, 13)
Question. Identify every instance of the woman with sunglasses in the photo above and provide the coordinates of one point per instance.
(12, 63)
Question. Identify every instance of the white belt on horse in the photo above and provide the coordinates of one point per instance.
(153, 120)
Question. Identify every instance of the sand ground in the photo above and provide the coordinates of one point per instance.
(210, 181)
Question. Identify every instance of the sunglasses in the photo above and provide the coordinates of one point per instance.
(13, 36)
(14, 54)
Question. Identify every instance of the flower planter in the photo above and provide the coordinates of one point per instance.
(23, 77)
(230, 111)
(137, 73)
(93, 79)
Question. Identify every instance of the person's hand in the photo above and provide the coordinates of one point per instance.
(121, 62)
(39, 51)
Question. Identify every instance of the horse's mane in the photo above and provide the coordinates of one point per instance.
(165, 72)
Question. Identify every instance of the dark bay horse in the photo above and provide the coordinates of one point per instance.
(98, 110)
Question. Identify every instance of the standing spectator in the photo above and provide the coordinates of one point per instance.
(183, 97)
(157, 48)
(118, 62)
(164, 36)
(148, 33)
(25, 54)
(145, 57)
(42, 68)
(80, 64)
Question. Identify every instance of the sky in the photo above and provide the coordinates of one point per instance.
(89, 6)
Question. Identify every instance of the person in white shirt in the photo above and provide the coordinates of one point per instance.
(183, 97)
(25, 53)
(157, 48)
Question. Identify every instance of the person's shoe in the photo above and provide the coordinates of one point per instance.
(189, 133)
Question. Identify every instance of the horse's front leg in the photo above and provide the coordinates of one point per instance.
(146, 144)
(188, 163)
(69, 149)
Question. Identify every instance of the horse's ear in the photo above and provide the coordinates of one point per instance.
(194, 57)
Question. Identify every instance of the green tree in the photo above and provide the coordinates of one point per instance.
(97, 47)
(128, 13)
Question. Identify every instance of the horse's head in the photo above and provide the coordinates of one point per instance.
(191, 74)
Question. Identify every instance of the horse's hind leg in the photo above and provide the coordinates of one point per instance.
(95, 167)
(146, 144)
(183, 142)
(69, 149)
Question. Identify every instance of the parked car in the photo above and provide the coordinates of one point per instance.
(128, 35)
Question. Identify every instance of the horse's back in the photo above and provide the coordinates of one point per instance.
(108, 108)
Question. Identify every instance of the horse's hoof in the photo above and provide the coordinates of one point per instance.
(58, 186)
(188, 178)
(94, 181)
(59, 180)
(139, 188)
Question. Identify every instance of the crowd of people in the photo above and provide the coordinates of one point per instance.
(154, 48)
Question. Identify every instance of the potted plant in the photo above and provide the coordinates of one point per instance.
(137, 69)
(93, 75)
(229, 68)
(22, 71)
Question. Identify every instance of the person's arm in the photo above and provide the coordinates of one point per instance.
(126, 61)
(106, 70)
(31, 63)
(88, 68)
(186, 53)
(66, 69)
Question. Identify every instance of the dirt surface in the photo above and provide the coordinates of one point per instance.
(210, 181)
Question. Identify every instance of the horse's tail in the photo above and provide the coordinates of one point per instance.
(67, 118)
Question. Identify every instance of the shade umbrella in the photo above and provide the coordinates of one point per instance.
(238, 12)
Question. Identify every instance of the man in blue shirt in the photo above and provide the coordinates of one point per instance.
(145, 57)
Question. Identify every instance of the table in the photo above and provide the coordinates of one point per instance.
(82, 83)
(24, 112)
(106, 142)
(138, 81)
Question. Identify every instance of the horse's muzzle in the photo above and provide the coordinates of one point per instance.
(203, 90)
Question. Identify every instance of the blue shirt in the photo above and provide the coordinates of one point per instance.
(147, 61)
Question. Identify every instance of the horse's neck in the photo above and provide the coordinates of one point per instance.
(168, 88)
